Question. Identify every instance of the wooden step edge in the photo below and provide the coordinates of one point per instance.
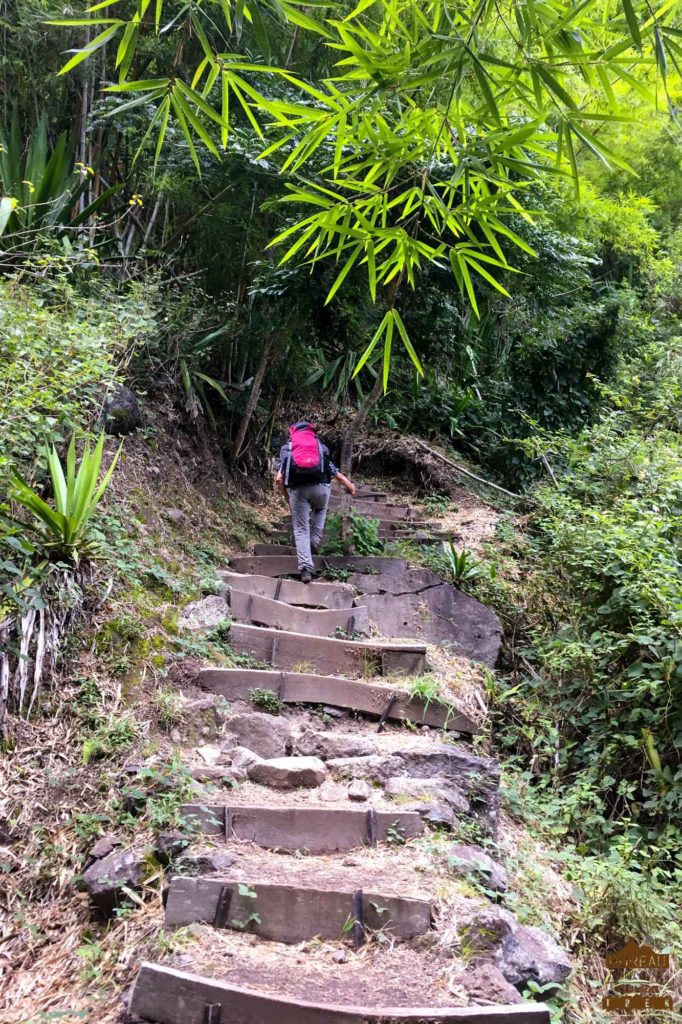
(353, 694)
(291, 913)
(371, 646)
(166, 995)
(315, 829)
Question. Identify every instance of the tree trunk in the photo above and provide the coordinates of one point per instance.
(253, 398)
(356, 424)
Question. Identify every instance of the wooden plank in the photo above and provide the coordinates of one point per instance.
(262, 611)
(314, 829)
(377, 510)
(355, 694)
(311, 595)
(387, 525)
(291, 913)
(283, 565)
(169, 996)
(326, 656)
(274, 549)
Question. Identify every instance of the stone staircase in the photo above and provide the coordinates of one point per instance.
(292, 795)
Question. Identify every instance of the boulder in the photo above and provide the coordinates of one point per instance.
(535, 956)
(489, 933)
(266, 735)
(289, 772)
(473, 862)
(522, 953)
(204, 862)
(329, 744)
(437, 614)
(359, 791)
(435, 812)
(104, 846)
(104, 879)
(241, 759)
(122, 412)
(204, 614)
(436, 790)
(210, 753)
(485, 984)
(378, 767)
(169, 846)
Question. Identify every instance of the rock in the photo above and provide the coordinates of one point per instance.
(485, 984)
(535, 956)
(439, 614)
(333, 712)
(489, 933)
(359, 790)
(472, 861)
(210, 754)
(378, 767)
(175, 736)
(433, 790)
(521, 952)
(242, 758)
(104, 846)
(204, 862)
(329, 744)
(434, 812)
(169, 846)
(339, 956)
(122, 412)
(289, 772)
(104, 879)
(267, 735)
(332, 793)
(175, 515)
(204, 614)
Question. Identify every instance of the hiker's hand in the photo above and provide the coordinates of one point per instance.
(351, 489)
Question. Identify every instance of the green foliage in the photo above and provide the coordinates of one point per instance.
(41, 187)
(77, 493)
(460, 112)
(426, 688)
(364, 532)
(110, 736)
(599, 711)
(266, 699)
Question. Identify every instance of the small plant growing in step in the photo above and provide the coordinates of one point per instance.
(425, 688)
(266, 699)
(364, 532)
(110, 736)
(253, 917)
(395, 836)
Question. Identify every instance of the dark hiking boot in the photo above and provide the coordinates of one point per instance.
(306, 576)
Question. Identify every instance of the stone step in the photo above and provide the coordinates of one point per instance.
(355, 694)
(166, 995)
(311, 829)
(284, 565)
(290, 913)
(376, 509)
(310, 595)
(326, 656)
(263, 611)
(387, 527)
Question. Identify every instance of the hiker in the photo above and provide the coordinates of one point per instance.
(305, 474)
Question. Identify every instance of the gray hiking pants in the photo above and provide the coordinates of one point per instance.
(308, 512)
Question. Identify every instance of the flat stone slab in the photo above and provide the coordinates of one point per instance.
(315, 829)
(305, 688)
(303, 772)
(168, 996)
(289, 913)
(310, 595)
(284, 565)
(322, 655)
(438, 615)
(263, 611)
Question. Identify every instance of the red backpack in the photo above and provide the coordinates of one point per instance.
(306, 465)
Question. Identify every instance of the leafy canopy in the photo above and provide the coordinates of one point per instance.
(416, 145)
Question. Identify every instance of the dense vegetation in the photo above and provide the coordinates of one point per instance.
(495, 192)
